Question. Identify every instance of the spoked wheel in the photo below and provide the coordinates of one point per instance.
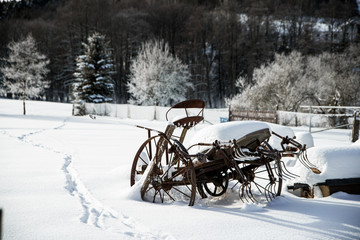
(169, 178)
(142, 158)
(263, 183)
(167, 183)
(218, 185)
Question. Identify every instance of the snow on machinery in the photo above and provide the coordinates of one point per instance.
(234, 155)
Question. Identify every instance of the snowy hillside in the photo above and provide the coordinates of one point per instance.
(65, 177)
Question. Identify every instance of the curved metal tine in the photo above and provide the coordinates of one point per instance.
(272, 191)
(248, 194)
(270, 194)
(285, 175)
(311, 166)
(266, 190)
(251, 196)
(241, 193)
(303, 157)
(307, 160)
(276, 171)
(302, 160)
(287, 172)
(242, 153)
(238, 153)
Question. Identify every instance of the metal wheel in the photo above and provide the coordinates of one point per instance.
(263, 183)
(168, 179)
(142, 158)
(218, 185)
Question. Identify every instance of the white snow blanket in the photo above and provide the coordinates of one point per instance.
(236, 130)
(228, 131)
(64, 177)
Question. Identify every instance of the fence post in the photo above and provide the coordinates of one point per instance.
(230, 114)
(155, 118)
(355, 128)
(1, 224)
(310, 112)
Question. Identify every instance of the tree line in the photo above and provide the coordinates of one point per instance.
(219, 41)
(330, 79)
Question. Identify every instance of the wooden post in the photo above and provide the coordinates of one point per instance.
(0, 224)
(310, 112)
(230, 114)
(355, 128)
(24, 108)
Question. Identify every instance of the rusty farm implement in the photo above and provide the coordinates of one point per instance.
(247, 163)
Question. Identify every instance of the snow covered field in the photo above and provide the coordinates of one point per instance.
(65, 177)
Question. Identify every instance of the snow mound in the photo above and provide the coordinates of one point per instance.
(235, 130)
(333, 162)
(283, 131)
(225, 132)
(305, 138)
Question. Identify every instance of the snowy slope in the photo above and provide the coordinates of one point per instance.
(65, 177)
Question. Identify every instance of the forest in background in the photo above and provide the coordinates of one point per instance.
(220, 41)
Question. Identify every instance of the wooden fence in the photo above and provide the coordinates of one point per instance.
(266, 116)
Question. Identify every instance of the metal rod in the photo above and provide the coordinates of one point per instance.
(350, 107)
(340, 126)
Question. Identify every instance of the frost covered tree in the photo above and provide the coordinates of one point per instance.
(25, 70)
(94, 70)
(336, 77)
(157, 77)
(281, 84)
(331, 79)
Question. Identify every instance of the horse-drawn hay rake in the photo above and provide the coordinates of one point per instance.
(167, 171)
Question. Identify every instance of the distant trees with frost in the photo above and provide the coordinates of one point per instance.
(291, 80)
(25, 70)
(218, 40)
(157, 77)
(94, 69)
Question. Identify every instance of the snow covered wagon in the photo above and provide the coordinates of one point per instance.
(233, 155)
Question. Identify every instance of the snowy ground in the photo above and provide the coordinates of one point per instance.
(65, 177)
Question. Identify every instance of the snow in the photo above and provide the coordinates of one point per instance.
(225, 132)
(305, 139)
(333, 161)
(65, 177)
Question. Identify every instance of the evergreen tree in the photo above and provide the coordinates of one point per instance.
(158, 78)
(25, 70)
(94, 70)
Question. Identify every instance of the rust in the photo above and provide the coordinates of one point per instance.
(249, 163)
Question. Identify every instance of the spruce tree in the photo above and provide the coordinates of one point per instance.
(94, 70)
